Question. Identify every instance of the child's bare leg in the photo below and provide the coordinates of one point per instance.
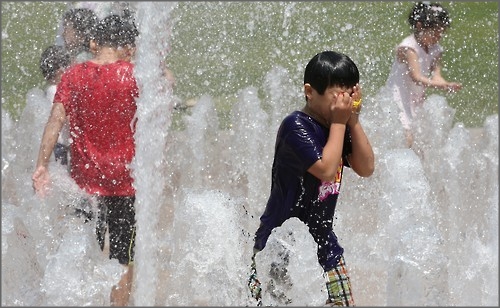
(120, 293)
(409, 138)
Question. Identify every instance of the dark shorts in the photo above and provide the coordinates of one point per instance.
(61, 153)
(117, 215)
(318, 217)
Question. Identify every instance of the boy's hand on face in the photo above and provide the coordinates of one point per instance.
(356, 104)
(356, 93)
(341, 108)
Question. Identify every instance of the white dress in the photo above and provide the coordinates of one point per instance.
(405, 92)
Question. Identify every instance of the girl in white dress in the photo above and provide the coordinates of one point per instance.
(417, 63)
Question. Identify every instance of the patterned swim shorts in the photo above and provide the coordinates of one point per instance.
(339, 286)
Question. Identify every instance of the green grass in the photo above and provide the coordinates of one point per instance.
(27, 29)
(213, 53)
(472, 58)
(219, 48)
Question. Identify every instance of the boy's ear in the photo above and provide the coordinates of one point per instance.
(93, 46)
(308, 91)
(132, 50)
(307, 88)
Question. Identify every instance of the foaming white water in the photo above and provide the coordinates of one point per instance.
(206, 267)
(437, 212)
(154, 107)
(49, 255)
(423, 230)
(288, 268)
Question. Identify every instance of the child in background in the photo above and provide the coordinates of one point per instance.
(53, 62)
(102, 146)
(128, 47)
(417, 65)
(78, 28)
(312, 148)
(127, 11)
(82, 15)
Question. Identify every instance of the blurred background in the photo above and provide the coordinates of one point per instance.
(218, 48)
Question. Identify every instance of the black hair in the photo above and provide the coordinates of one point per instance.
(430, 15)
(53, 58)
(113, 31)
(330, 68)
(84, 21)
(130, 32)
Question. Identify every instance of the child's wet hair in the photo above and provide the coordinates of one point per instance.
(83, 21)
(130, 32)
(53, 58)
(330, 68)
(430, 15)
(114, 31)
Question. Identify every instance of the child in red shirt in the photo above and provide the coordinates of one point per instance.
(99, 97)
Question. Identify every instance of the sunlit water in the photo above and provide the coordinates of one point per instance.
(423, 230)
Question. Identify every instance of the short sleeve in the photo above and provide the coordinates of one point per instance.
(304, 138)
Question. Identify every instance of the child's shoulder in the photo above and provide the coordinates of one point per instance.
(83, 56)
(408, 41)
(294, 116)
(297, 119)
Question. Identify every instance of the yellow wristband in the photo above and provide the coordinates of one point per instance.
(356, 104)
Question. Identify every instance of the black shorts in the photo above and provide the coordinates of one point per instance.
(61, 153)
(117, 214)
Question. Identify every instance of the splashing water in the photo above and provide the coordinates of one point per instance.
(423, 230)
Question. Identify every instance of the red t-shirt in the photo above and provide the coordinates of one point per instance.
(100, 103)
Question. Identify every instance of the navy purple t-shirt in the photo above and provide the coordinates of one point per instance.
(297, 193)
